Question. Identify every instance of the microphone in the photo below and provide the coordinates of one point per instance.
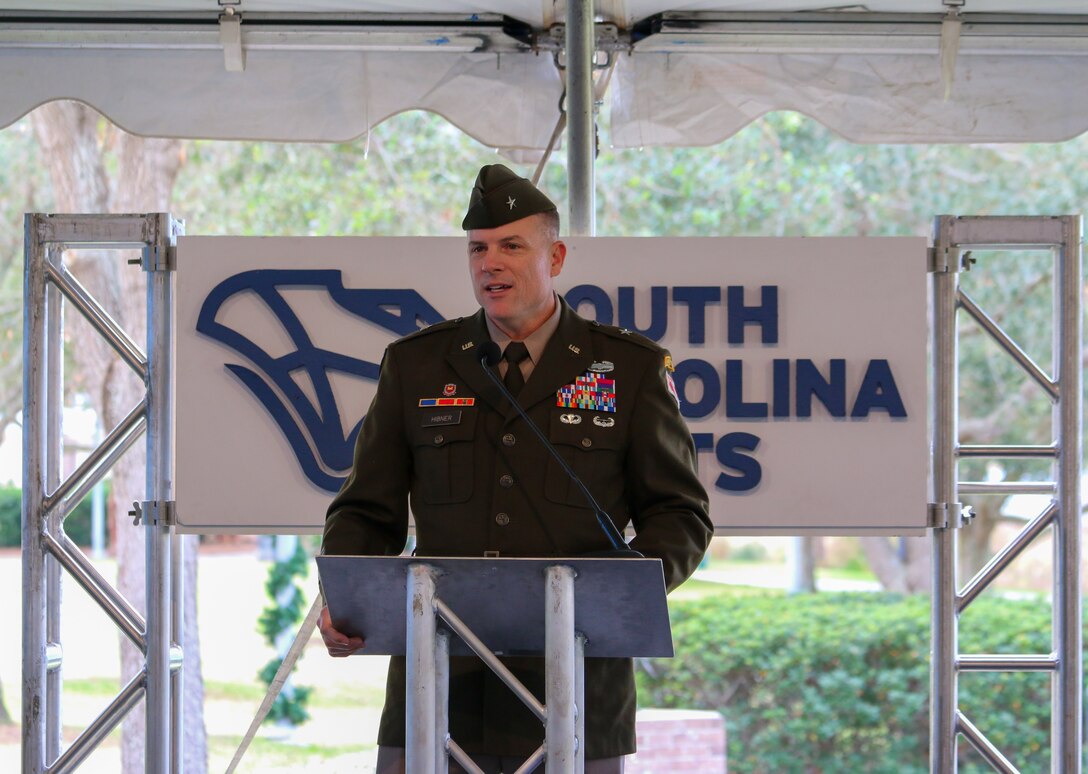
(489, 358)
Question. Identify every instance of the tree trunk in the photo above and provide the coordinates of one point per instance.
(76, 142)
(803, 550)
(900, 564)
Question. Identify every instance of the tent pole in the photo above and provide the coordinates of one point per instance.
(944, 632)
(1067, 712)
(581, 131)
(34, 587)
(159, 754)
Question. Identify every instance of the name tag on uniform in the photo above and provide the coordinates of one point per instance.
(445, 418)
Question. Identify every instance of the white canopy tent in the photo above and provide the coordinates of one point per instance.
(677, 74)
(685, 73)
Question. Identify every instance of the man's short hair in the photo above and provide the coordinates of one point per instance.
(550, 224)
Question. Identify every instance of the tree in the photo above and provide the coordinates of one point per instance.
(96, 168)
(784, 175)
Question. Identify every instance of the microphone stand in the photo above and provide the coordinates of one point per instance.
(489, 357)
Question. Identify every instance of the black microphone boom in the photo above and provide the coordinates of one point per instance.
(489, 357)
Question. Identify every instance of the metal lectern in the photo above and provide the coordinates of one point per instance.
(562, 609)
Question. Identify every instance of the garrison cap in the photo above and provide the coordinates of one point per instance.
(500, 197)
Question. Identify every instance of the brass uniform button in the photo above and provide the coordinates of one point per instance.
(439, 439)
(587, 442)
(502, 519)
(508, 439)
(506, 481)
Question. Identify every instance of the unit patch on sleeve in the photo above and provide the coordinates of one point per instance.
(589, 391)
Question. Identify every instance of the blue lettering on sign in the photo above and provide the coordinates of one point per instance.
(743, 472)
(878, 391)
(696, 299)
(593, 296)
(315, 433)
(659, 312)
(830, 391)
(765, 315)
(735, 405)
(711, 384)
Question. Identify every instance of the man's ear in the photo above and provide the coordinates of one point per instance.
(558, 256)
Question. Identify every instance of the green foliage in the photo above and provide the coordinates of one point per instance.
(276, 622)
(749, 552)
(24, 187)
(289, 705)
(77, 526)
(839, 682)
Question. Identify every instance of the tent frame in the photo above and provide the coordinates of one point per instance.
(954, 239)
(47, 499)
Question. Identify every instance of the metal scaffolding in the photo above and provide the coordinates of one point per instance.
(47, 499)
(954, 237)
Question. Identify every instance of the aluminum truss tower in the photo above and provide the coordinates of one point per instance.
(47, 499)
(954, 237)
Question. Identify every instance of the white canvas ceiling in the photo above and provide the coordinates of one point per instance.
(685, 74)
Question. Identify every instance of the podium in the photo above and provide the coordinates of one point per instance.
(563, 609)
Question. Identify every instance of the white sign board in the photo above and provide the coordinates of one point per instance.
(800, 363)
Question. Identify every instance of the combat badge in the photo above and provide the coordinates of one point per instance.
(604, 421)
(602, 366)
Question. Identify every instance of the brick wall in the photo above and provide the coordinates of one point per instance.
(678, 742)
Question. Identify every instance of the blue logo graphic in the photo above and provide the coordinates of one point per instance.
(315, 433)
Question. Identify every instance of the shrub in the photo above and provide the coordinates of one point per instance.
(840, 682)
(77, 526)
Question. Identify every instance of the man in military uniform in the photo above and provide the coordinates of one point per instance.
(480, 483)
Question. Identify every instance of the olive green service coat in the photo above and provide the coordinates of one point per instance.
(480, 481)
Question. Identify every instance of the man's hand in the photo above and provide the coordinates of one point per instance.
(339, 644)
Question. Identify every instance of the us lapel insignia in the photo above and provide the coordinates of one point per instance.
(570, 419)
(467, 345)
(604, 421)
(574, 349)
(589, 391)
(602, 366)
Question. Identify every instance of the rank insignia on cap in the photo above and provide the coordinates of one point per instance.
(425, 402)
(499, 196)
(449, 389)
(589, 391)
(602, 366)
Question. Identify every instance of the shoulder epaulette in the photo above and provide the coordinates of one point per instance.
(623, 334)
(435, 328)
